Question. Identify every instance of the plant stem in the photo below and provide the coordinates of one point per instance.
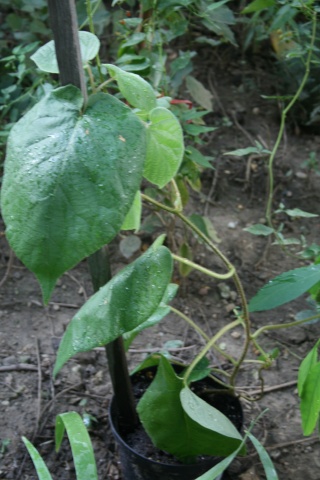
(91, 27)
(219, 276)
(284, 325)
(283, 121)
(99, 264)
(209, 345)
(233, 275)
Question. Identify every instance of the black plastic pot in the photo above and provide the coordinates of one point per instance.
(136, 466)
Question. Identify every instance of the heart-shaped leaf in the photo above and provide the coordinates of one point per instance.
(45, 57)
(129, 299)
(70, 179)
(165, 147)
(180, 424)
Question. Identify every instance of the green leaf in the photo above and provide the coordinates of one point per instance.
(310, 403)
(129, 299)
(259, 229)
(170, 426)
(45, 57)
(82, 451)
(258, 5)
(186, 252)
(70, 180)
(162, 310)
(285, 287)
(199, 93)
(41, 468)
(165, 147)
(205, 226)
(241, 152)
(306, 365)
(296, 212)
(198, 158)
(266, 461)
(133, 217)
(196, 130)
(135, 89)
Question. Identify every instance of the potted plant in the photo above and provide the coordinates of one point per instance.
(73, 175)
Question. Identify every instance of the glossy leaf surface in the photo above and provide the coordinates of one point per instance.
(285, 287)
(165, 147)
(70, 180)
(129, 299)
(82, 451)
(168, 422)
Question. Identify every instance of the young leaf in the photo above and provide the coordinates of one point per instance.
(129, 299)
(165, 147)
(306, 365)
(41, 468)
(186, 252)
(198, 158)
(259, 229)
(296, 212)
(134, 88)
(172, 429)
(133, 217)
(266, 461)
(82, 451)
(45, 57)
(285, 287)
(258, 5)
(66, 189)
(199, 93)
(310, 404)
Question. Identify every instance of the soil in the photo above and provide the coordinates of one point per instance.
(233, 196)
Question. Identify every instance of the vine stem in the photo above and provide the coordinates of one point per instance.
(284, 325)
(209, 345)
(245, 311)
(283, 121)
(201, 333)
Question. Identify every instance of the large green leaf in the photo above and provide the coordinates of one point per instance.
(165, 147)
(285, 287)
(45, 57)
(172, 429)
(70, 179)
(129, 299)
(81, 446)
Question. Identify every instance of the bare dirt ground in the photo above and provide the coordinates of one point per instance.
(233, 196)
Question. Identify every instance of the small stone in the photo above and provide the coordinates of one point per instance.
(235, 334)
(301, 175)
(232, 225)
(5, 403)
(275, 454)
(230, 307)
(56, 307)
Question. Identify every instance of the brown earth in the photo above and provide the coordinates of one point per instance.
(233, 197)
